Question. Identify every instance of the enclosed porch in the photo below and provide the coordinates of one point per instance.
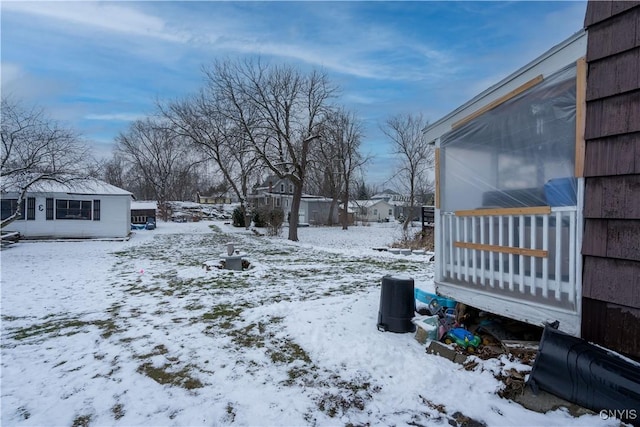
(509, 192)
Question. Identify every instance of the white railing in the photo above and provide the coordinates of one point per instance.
(521, 253)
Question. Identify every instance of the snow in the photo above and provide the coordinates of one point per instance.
(139, 333)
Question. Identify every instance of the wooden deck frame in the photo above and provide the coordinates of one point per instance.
(515, 92)
(536, 210)
(581, 108)
(538, 253)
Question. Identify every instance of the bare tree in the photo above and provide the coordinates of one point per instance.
(203, 122)
(34, 149)
(339, 154)
(280, 110)
(415, 153)
(158, 154)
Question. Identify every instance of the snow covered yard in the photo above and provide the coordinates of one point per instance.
(139, 333)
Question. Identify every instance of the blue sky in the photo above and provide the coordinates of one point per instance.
(99, 65)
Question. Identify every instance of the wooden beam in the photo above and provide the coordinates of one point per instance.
(517, 91)
(581, 108)
(437, 172)
(538, 253)
(536, 210)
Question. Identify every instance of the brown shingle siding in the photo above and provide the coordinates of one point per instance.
(613, 116)
(611, 240)
(614, 75)
(597, 11)
(614, 35)
(615, 155)
(623, 239)
(601, 10)
(613, 197)
(595, 242)
(611, 325)
(624, 290)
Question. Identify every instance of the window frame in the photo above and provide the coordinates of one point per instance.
(84, 209)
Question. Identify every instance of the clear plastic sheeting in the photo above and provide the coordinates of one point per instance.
(519, 154)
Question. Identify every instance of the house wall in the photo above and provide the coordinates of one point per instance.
(375, 212)
(115, 220)
(611, 244)
(317, 211)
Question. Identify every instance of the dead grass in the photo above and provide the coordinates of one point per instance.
(416, 240)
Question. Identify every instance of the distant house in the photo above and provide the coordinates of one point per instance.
(86, 208)
(401, 204)
(315, 210)
(371, 210)
(278, 193)
(219, 199)
(274, 192)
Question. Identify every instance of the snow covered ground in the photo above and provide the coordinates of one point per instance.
(139, 333)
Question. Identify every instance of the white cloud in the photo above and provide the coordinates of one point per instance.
(10, 73)
(18, 83)
(102, 16)
(120, 117)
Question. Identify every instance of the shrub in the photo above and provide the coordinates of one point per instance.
(276, 219)
(261, 216)
(238, 218)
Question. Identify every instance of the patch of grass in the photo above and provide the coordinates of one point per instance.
(231, 413)
(288, 352)
(158, 350)
(24, 413)
(350, 394)
(118, 411)
(64, 327)
(81, 421)
(223, 314)
(194, 306)
(163, 375)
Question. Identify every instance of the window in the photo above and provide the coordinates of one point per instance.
(9, 207)
(291, 188)
(375, 211)
(96, 210)
(390, 212)
(49, 209)
(31, 208)
(505, 157)
(278, 202)
(282, 188)
(73, 209)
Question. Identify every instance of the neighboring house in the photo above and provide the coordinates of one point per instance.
(81, 209)
(519, 193)
(401, 204)
(315, 210)
(371, 210)
(142, 211)
(274, 192)
(278, 193)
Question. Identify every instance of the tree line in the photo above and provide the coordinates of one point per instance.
(249, 119)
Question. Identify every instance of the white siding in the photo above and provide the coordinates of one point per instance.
(115, 218)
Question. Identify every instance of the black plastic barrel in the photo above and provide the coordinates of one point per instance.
(397, 305)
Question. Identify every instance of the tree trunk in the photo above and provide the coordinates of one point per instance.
(295, 210)
(332, 208)
(345, 202)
